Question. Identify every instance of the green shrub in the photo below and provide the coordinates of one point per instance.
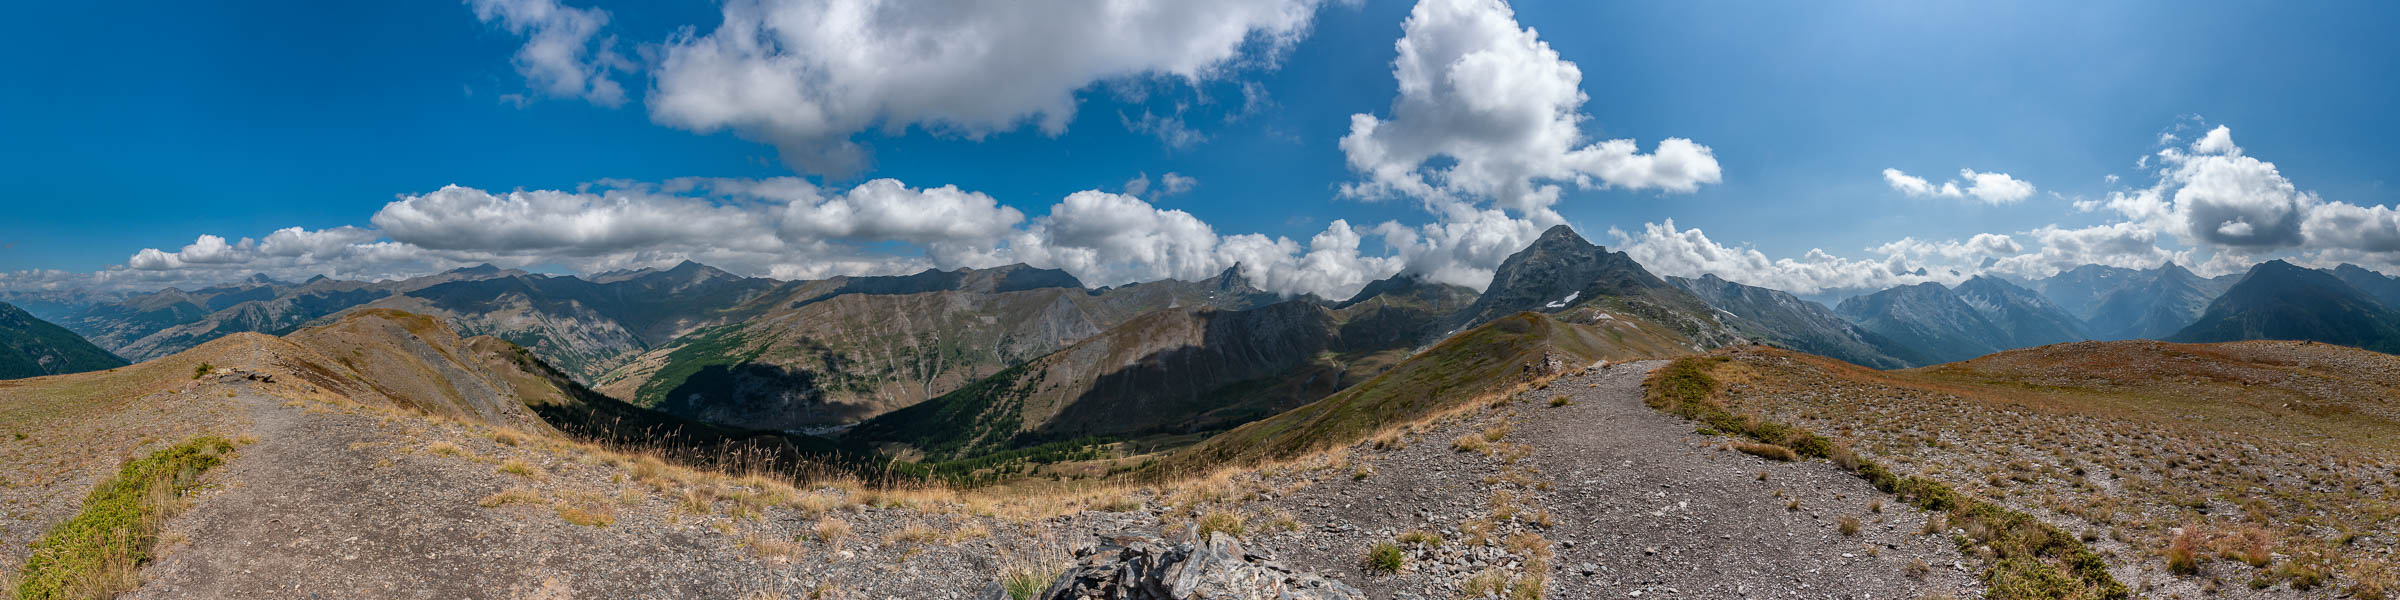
(1385, 557)
(99, 551)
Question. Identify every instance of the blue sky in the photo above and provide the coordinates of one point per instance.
(147, 126)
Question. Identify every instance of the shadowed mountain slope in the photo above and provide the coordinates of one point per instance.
(1927, 319)
(31, 347)
(2026, 318)
(1176, 371)
(2170, 299)
(2383, 288)
(821, 353)
(1786, 320)
(2281, 301)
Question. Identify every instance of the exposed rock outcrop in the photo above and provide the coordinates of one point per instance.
(1145, 568)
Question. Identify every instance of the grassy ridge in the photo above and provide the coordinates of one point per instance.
(1477, 363)
(97, 553)
(2033, 559)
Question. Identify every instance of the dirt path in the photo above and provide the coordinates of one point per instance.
(1640, 506)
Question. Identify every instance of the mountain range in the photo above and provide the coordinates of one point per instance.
(950, 363)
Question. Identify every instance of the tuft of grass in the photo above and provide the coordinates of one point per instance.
(99, 552)
(1470, 442)
(587, 516)
(1420, 537)
(1849, 526)
(1385, 557)
(1767, 451)
(444, 449)
(1221, 520)
(1028, 574)
(520, 468)
(773, 549)
(1561, 400)
(202, 370)
(514, 495)
(1489, 583)
(829, 530)
(2183, 553)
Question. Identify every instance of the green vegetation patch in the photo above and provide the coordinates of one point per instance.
(722, 347)
(1484, 360)
(98, 552)
(2032, 559)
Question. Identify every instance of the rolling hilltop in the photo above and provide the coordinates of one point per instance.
(2190, 467)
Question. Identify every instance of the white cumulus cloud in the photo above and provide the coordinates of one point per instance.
(807, 75)
(564, 54)
(1497, 101)
(1991, 188)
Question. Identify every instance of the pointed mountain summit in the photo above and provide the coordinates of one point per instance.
(1928, 319)
(2278, 300)
(2171, 299)
(1410, 289)
(1560, 270)
(2025, 316)
(2384, 288)
(2079, 290)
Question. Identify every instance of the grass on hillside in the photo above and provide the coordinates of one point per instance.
(2031, 559)
(1479, 363)
(98, 553)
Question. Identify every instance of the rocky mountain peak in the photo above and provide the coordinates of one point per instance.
(482, 269)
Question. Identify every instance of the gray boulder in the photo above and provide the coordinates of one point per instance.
(1146, 568)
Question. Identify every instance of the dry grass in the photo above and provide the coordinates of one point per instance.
(773, 549)
(1026, 572)
(588, 510)
(2257, 456)
(1222, 520)
(1767, 451)
(521, 469)
(829, 530)
(513, 495)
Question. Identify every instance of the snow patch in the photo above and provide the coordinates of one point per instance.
(1563, 303)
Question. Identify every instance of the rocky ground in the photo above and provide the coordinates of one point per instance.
(1598, 497)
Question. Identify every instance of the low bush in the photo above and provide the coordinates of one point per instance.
(99, 552)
